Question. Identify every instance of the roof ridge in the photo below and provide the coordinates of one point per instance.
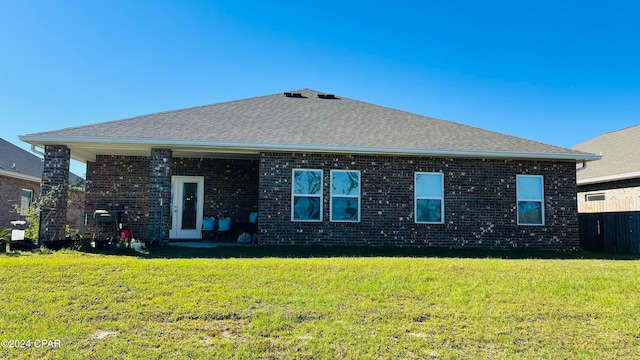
(623, 129)
(458, 124)
(275, 119)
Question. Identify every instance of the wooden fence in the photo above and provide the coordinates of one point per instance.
(616, 232)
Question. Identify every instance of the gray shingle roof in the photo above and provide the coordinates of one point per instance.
(276, 119)
(15, 160)
(620, 153)
(25, 162)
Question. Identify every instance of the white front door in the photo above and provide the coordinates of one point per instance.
(187, 199)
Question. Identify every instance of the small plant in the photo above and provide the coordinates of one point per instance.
(4, 235)
(32, 213)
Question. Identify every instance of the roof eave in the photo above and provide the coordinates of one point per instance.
(20, 176)
(609, 178)
(253, 147)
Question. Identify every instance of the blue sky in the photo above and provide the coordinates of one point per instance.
(559, 72)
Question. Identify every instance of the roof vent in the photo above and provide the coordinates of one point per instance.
(295, 95)
(326, 96)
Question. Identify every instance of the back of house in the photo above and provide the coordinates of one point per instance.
(318, 168)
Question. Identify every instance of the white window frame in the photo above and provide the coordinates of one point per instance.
(22, 207)
(541, 200)
(416, 197)
(350, 196)
(294, 195)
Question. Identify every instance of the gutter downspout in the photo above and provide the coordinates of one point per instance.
(584, 166)
(36, 151)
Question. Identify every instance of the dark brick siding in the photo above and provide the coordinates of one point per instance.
(231, 186)
(122, 183)
(10, 189)
(480, 203)
(480, 198)
(55, 175)
(160, 165)
(119, 183)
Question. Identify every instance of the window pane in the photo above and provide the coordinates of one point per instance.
(428, 185)
(307, 182)
(306, 208)
(529, 187)
(530, 212)
(344, 208)
(595, 197)
(26, 196)
(345, 183)
(429, 210)
(189, 205)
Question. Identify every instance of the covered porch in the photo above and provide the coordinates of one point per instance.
(163, 195)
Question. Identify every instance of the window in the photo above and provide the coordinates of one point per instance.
(345, 195)
(26, 198)
(306, 195)
(429, 198)
(530, 190)
(594, 197)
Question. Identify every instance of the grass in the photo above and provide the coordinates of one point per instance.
(321, 303)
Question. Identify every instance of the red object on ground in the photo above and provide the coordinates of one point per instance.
(125, 234)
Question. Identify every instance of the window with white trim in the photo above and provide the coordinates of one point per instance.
(530, 190)
(345, 195)
(429, 198)
(306, 195)
(26, 198)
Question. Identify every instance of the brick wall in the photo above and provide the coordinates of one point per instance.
(122, 183)
(480, 203)
(119, 183)
(10, 189)
(230, 185)
(161, 161)
(55, 180)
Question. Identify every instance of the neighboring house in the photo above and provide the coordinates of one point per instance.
(322, 169)
(612, 183)
(20, 176)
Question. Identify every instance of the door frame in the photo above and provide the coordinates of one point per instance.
(177, 182)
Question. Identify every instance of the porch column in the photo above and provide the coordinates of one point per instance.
(54, 193)
(159, 194)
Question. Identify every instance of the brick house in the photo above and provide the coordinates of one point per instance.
(323, 169)
(612, 183)
(20, 176)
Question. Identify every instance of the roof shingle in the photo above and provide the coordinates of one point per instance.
(308, 120)
(620, 152)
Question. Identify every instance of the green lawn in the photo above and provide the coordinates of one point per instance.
(320, 303)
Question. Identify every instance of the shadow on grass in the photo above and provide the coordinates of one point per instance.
(13, 253)
(226, 252)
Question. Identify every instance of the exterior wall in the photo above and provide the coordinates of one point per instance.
(119, 183)
(10, 195)
(231, 186)
(159, 194)
(619, 196)
(55, 181)
(480, 203)
(122, 183)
